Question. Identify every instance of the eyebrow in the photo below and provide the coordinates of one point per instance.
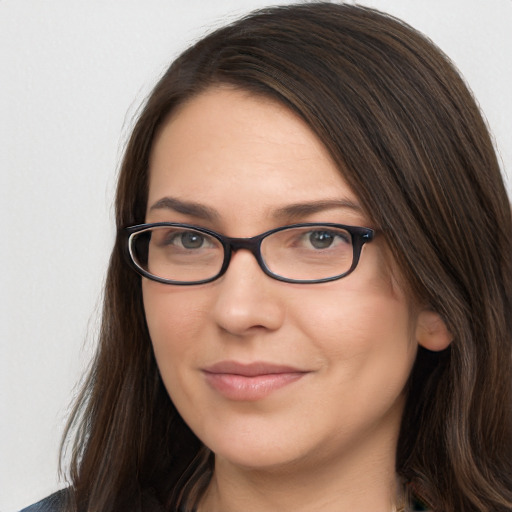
(308, 208)
(290, 211)
(186, 207)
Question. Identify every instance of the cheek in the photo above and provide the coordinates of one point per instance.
(369, 353)
(174, 317)
(356, 315)
(364, 332)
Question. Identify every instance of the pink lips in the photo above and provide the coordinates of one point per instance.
(249, 382)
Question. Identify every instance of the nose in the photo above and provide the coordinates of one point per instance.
(248, 300)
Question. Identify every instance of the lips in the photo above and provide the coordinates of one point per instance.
(250, 382)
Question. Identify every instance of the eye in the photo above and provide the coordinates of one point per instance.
(178, 238)
(322, 239)
(191, 240)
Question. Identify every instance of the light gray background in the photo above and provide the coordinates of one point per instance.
(72, 76)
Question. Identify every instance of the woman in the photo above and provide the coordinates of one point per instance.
(359, 358)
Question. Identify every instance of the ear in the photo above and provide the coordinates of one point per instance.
(431, 331)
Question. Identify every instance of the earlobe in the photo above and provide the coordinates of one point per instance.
(431, 331)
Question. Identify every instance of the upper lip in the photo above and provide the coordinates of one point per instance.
(250, 369)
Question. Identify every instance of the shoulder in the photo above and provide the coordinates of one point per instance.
(53, 503)
(56, 503)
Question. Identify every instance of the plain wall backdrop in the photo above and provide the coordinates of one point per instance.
(72, 77)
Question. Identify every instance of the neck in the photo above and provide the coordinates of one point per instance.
(333, 486)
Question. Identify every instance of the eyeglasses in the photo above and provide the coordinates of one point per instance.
(183, 254)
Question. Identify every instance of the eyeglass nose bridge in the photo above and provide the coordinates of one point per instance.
(253, 245)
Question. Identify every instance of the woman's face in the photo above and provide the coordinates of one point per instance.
(267, 373)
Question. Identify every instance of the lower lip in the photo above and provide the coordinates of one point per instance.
(249, 389)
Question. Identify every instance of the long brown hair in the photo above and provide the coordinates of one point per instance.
(398, 119)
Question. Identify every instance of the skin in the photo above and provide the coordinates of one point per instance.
(327, 440)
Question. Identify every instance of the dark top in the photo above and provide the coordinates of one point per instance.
(57, 502)
(53, 503)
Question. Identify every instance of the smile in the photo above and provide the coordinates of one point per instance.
(240, 382)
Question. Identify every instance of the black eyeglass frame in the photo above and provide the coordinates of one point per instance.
(360, 236)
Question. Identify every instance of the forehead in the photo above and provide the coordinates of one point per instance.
(227, 148)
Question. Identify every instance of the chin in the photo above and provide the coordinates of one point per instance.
(257, 461)
(261, 449)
